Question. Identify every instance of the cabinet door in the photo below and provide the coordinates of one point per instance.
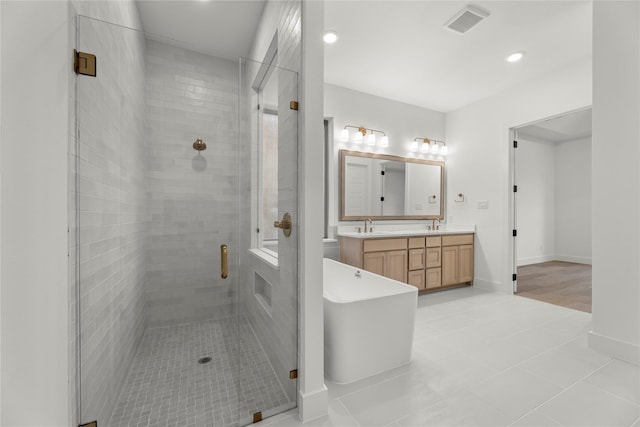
(396, 265)
(465, 263)
(434, 257)
(449, 265)
(416, 278)
(416, 259)
(434, 278)
(374, 262)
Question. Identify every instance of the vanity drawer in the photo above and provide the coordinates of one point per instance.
(434, 241)
(458, 239)
(416, 278)
(416, 259)
(374, 245)
(433, 278)
(434, 257)
(416, 242)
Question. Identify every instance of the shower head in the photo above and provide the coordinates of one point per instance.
(199, 145)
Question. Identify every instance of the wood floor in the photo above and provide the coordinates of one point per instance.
(556, 282)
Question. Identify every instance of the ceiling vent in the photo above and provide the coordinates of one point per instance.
(466, 19)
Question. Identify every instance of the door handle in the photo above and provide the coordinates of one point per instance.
(285, 224)
(224, 267)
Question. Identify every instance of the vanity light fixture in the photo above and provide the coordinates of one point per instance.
(363, 134)
(344, 135)
(358, 138)
(432, 146)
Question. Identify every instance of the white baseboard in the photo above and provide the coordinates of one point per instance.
(535, 260)
(622, 350)
(547, 258)
(488, 285)
(574, 259)
(313, 405)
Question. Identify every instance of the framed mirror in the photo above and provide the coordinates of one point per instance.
(381, 186)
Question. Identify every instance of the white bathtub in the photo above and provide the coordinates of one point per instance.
(368, 322)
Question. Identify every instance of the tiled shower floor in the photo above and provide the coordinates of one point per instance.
(167, 386)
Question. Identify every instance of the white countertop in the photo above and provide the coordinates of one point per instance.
(400, 231)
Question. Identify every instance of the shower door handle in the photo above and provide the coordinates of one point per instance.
(285, 224)
(224, 266)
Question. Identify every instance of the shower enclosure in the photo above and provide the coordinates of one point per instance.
(187, 314)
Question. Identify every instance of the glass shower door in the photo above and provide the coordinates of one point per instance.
(269, 234)
(163, 338)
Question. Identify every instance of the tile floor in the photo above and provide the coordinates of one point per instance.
(488, 359)
(168, 387)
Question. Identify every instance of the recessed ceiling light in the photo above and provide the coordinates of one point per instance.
(330, 37)
(514, 57)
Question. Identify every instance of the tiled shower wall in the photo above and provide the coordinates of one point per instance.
(191, 195)
(110, 200)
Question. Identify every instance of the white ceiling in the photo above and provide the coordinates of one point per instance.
(223, 28)
(400, 49)
(568, 127)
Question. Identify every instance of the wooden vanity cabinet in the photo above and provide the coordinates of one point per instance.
(386, 257)
(434, 262)
(415, 275)
(391, 264)
(428, 263)
(457, 259)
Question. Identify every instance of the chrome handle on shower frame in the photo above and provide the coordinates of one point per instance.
(224, 267)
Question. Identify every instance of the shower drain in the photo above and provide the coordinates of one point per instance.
(204, 360)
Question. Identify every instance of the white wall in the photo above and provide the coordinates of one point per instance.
(313, 394)
(553, 200)
(616, 173)
(401, 122)
(0, 216)
(536, 179)
(478, 161)
(35, 311)
(573, 201)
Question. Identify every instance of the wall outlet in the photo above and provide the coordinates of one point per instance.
(483, 204)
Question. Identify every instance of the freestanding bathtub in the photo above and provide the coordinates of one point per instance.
(368, 322)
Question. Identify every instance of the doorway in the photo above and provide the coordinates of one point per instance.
(551, 210)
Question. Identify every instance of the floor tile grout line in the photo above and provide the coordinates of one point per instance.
(445, 333)
(561, 392)
(348, 411)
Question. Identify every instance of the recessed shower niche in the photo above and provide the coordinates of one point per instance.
(263, 292)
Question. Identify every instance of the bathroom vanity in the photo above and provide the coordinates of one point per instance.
(385, 187)
(428, 260)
